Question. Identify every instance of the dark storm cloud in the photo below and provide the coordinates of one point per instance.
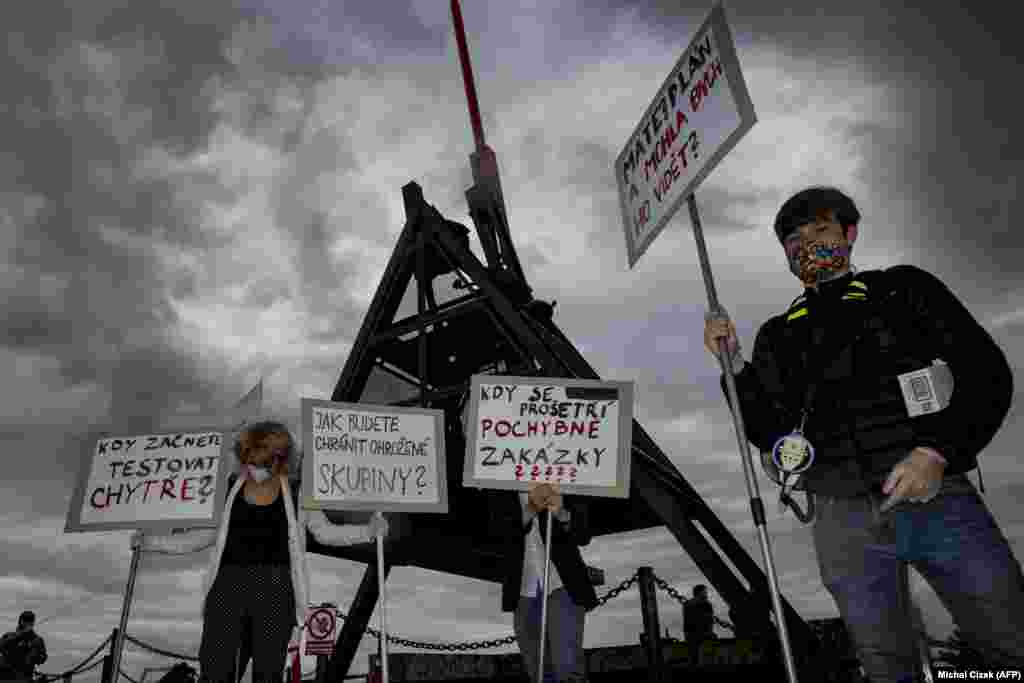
(106, 86)
(105, 82)
(950, 67)
(322, 32)
(66, 566)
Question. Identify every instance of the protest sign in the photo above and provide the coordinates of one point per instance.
(153, 482)
(575, 432)
(367, 457)
(699, 114)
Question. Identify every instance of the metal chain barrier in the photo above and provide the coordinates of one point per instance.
(674, 594)
(455, 647)
(484, 644)
(48, 678)
(158, 651)
(81, 668)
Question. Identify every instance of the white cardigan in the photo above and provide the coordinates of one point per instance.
(323, 530)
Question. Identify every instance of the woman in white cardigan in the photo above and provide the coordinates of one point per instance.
(257, 585)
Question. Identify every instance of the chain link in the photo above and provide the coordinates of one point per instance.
(473, 645)
(615, 592)
(663, 585)
(158, 651)
(483, 644)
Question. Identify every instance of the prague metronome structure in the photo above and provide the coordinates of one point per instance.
(465, 316)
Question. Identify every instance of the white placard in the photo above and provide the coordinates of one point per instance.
(151, 482)
(367, 457)
(701, 111)
(575, 432)
(927, 390)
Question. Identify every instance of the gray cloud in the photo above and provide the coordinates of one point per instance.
(175, 171)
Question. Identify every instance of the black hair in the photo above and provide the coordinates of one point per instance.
(814, 203)
(27, 616)
(700, 588)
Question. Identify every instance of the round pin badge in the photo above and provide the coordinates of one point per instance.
(793, 453)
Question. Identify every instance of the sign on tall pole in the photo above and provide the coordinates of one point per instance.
(697, 116)
(370, 457)
(154, 482)
(576, 434)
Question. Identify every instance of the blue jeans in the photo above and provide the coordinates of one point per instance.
(564, 660)
(953, 542)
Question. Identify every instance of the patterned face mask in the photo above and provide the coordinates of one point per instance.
(815, 261)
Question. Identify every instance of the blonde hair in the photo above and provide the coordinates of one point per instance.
(256, 433)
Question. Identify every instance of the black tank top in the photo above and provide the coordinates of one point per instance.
(257, 534)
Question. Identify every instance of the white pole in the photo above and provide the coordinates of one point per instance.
(756, 505)
(125, 609)
(382, 602)
(544, 597)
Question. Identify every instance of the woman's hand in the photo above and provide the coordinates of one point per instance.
(378, 526)
(544, 496)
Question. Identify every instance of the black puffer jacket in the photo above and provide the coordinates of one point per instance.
(22, 653)
(855, 336)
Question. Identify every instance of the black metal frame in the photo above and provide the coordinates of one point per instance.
(501, 311)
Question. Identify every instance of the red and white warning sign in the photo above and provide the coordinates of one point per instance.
(321, 624)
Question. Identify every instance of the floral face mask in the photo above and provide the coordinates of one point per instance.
(815, 261)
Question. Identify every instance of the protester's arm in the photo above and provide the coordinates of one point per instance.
(983, 381)
(762, 394)
(176, 543)
(573, 521)
(328, 533)
(528, 516)
(12, 637)
(37, 656)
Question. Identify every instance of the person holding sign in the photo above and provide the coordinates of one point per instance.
(570, 593)
(875, 392)
(258, 581)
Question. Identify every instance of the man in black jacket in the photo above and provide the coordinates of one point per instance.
(897, 388)
(570, 592)
(698, 620)
(21, 651)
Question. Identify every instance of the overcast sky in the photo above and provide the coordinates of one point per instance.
(195, 194)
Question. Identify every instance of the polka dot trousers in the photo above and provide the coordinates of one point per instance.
(249, 612)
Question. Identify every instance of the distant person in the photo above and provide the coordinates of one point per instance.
(257, 585)
(21, 650)
(859, 367)
(570, 593)
(698, 620)
(699, 616)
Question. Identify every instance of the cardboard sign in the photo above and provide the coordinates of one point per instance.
(321, 624)
(152, 482)
(575, 432)
(366, 457)
(699, 114)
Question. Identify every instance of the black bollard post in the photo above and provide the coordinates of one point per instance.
(321, 668)
(652, 632)
(108, 661)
